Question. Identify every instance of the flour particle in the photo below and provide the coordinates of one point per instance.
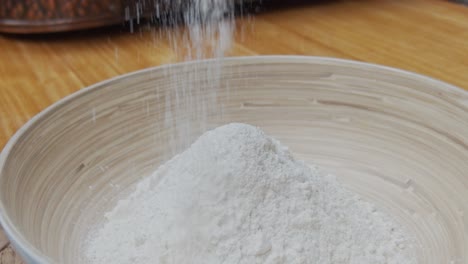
(208, 28)
(237, 195)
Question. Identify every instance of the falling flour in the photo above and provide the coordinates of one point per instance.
(208, 30)
(238, 196)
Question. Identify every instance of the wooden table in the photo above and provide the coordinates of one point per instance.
(427, 37)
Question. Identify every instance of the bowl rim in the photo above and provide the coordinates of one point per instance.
(31, 254)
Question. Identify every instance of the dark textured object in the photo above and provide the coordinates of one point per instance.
(36, 16)
(43, 16)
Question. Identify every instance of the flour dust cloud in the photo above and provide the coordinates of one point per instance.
(201, 29)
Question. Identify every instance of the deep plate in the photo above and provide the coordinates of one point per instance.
(397, 138)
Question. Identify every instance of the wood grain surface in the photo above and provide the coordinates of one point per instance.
(427, 37)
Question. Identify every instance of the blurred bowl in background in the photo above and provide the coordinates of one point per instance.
(41, 16)
(45, 16)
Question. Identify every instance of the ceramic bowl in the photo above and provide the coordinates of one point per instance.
(398, 139)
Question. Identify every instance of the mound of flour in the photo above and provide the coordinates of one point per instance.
(238, 196)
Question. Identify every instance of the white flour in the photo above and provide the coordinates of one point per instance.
(207, 33)
(238, 196)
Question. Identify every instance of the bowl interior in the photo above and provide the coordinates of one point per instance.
(398, 139)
